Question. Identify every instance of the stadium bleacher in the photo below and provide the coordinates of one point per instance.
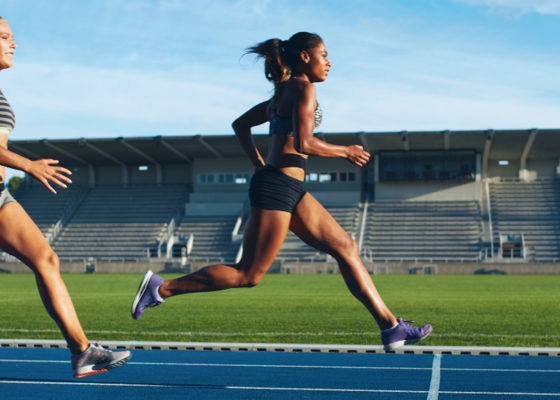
(294, 249)
(212, 237)
(117, 222)
(423, 230)
(530, 208)
(47, 209)
(140, 208)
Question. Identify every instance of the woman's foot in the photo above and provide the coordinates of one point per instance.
(403, 334)
(147, 294)
(96, 359)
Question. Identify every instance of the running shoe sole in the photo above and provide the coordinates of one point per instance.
(401, 343)
(141, 289)
(98, 368)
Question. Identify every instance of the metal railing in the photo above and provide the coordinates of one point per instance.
(364, 219)
(166, 238)
(489, 210)
(69, 213)
(368, 255)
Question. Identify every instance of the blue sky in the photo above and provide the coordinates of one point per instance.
(108, 68)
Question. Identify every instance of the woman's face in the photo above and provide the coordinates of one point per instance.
(7, 45)
(317, 65)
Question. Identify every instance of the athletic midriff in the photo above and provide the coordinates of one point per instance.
(282, 154)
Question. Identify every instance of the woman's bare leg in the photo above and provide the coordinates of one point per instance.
(20, 237)
(264, 234)
(316, 227)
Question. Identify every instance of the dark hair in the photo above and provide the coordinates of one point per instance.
(282, 56)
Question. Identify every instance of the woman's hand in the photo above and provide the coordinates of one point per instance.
(357, 155)
(258, 168)
(44, 172)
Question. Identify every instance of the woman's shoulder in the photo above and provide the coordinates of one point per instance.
(300, 89)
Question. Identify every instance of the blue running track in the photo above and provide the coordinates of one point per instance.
(46, 374)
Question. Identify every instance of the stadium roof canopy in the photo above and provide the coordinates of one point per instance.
(502, 144)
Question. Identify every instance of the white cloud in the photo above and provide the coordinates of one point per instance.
(389, 74)
(66, 101)
(520, 6)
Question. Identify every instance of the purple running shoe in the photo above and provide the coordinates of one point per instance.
(146, 295)
(404, 334)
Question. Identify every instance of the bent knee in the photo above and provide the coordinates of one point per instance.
(48, 264)
(347, 247)
(249, 280)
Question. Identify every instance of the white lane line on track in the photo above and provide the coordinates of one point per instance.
(297, 366)
(84, 384)
(274, 388)
(276, 334)
(504, 393)
(433, 393)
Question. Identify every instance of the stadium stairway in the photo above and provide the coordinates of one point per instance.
(211, 237)
(121, 223)
(47, 209)
(423, 230)
(531, 208)
(294, 249)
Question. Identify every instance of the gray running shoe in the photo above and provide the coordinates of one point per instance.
(96, 359)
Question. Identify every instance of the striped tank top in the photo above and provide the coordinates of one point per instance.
(7, 116)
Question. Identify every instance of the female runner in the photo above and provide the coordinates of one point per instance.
(20, 237)
(278, 201)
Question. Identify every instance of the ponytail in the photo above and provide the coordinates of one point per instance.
(282, 56)
(276, 69)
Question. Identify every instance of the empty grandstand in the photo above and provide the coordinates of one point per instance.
(530, 210)
(435, 230)
(211, 237)
(50, 212)
(116, 222)
(471, 196)
(294, 249)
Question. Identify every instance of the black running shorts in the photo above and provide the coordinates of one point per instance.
(271, 189)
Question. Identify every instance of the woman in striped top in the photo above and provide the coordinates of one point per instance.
(20, 237)
(7, 117)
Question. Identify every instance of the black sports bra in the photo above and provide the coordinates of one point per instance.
(284, 125)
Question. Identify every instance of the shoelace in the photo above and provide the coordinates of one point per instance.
(98, 346)
(408, 328)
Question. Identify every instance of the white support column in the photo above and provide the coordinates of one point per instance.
(523, 173)
(83, 142)
(406, 146)
(159, 174)
(376, 168)
(446, 140)
(478, 167)
(203, 142)
(487, 145)
(72, 156)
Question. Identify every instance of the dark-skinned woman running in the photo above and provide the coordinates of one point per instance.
(20, 237)
(278, 201)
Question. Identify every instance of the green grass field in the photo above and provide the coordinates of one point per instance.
(479, 310)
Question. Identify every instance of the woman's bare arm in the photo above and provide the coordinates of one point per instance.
(242, 128)
(304, 119)
(42, 170)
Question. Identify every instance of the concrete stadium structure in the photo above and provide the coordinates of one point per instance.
(425, 197)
